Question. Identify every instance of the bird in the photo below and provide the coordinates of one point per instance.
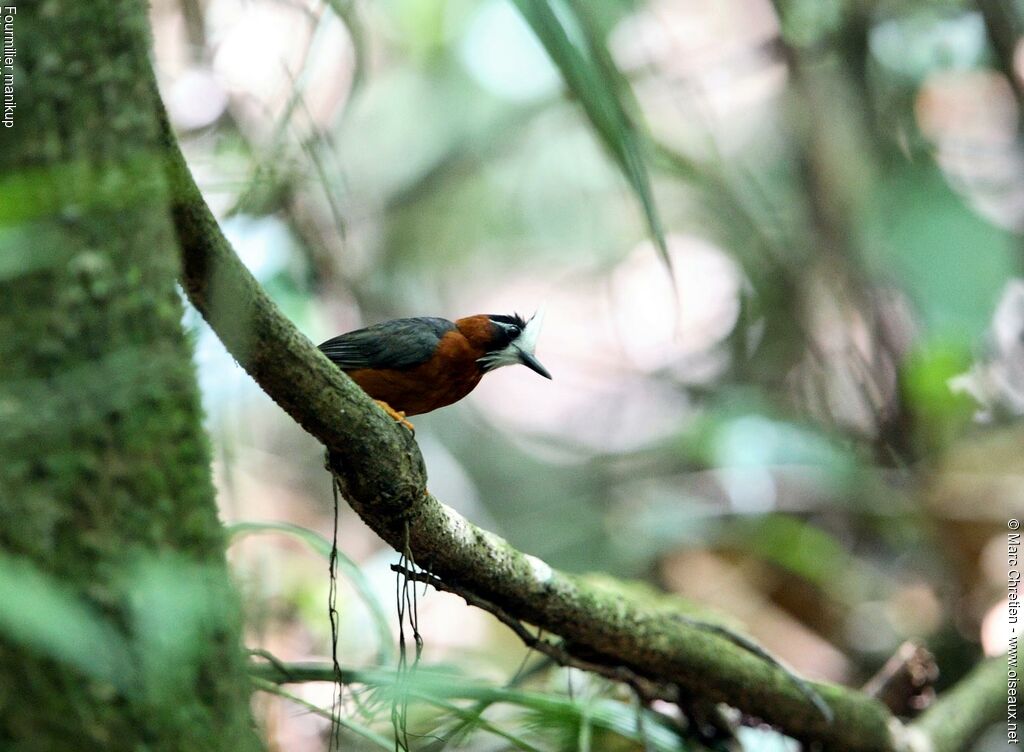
(412, 366)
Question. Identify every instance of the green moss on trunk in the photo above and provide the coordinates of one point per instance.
(104, 482)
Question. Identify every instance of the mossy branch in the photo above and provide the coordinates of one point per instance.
(382, 474)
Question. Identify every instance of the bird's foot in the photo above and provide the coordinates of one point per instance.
(398, 416)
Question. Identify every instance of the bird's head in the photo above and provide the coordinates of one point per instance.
(513, 341)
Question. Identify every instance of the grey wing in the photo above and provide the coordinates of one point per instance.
(401, 343)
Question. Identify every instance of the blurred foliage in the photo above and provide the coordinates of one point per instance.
(176, 615)
(818, 436)
(347, 567)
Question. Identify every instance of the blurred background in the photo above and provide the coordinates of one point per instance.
(808, 420)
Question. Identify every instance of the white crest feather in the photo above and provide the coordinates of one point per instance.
(527, 341)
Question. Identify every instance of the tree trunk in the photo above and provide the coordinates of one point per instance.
(118, 629)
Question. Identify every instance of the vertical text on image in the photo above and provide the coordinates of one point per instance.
(8, 55)
(1013, 578)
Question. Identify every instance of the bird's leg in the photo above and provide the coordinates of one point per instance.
(396, 414)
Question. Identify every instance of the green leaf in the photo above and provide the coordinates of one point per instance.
(351, 570)
(581, 56)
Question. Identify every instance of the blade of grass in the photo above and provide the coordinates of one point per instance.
(471, 715)
(475, 720)
(440, 683)
(602, 714)
(605, 714)
(355, 728)
(348, 14)
(351, 570)
(595, 82)
(586, 731)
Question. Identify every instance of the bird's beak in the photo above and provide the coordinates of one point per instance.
(533, 364)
